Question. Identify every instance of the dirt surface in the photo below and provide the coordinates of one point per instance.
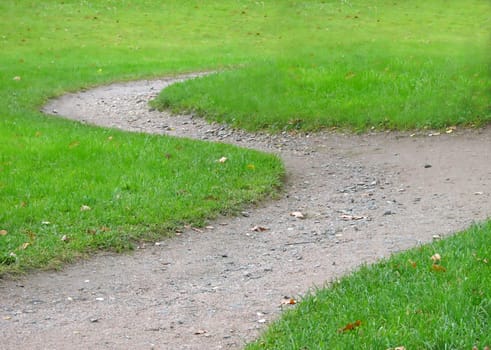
(363, 197)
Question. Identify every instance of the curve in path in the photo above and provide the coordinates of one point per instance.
(364, 197)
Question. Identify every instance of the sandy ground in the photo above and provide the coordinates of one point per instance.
(363, 197)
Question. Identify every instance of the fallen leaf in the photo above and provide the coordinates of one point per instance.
(3, 232)
(351, 217)
(259, 229)
(436, 257)
(222, 160)
(288, 301)
(450, 129)
(438, 268)
(74, 144)
(196, 230)
(105, 229)
(297, 214)
(413, 263)
(25, 245)
(350, 326)
(251, 166)
(16, 78)
(85, 208)
(350, 75)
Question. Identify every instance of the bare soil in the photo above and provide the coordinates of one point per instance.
(364, 197)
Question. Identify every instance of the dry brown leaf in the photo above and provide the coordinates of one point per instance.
(196, 230)
(3, 232)
(350, 326)
(259, 228)
(25, 245)
(438, 268)
(288, 301)
(74, 144)
(436, 257)
(297, 214)
(412, 263)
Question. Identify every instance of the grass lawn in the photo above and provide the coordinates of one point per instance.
(354, 64)
(136, 186)
(432, 297)
(68, 189)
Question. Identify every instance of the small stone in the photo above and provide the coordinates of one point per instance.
(427, 166)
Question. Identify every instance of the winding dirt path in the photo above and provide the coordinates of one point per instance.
(364, 197)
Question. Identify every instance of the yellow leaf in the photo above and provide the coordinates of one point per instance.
(436, 257)
(288, 301)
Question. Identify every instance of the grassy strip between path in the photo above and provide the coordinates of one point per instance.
(436, 296)
(67, 189)
(356, 65)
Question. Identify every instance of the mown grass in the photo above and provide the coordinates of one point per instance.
(408, 300)
(137, 186)
(69, 189)
(356, 65)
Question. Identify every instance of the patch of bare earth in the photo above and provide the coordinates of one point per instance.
(363, 198)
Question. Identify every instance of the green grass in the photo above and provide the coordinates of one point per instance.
(284, 65)
(137, 186)
(356, 65)
(401, 301)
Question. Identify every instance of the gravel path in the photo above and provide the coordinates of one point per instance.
(363, 197)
